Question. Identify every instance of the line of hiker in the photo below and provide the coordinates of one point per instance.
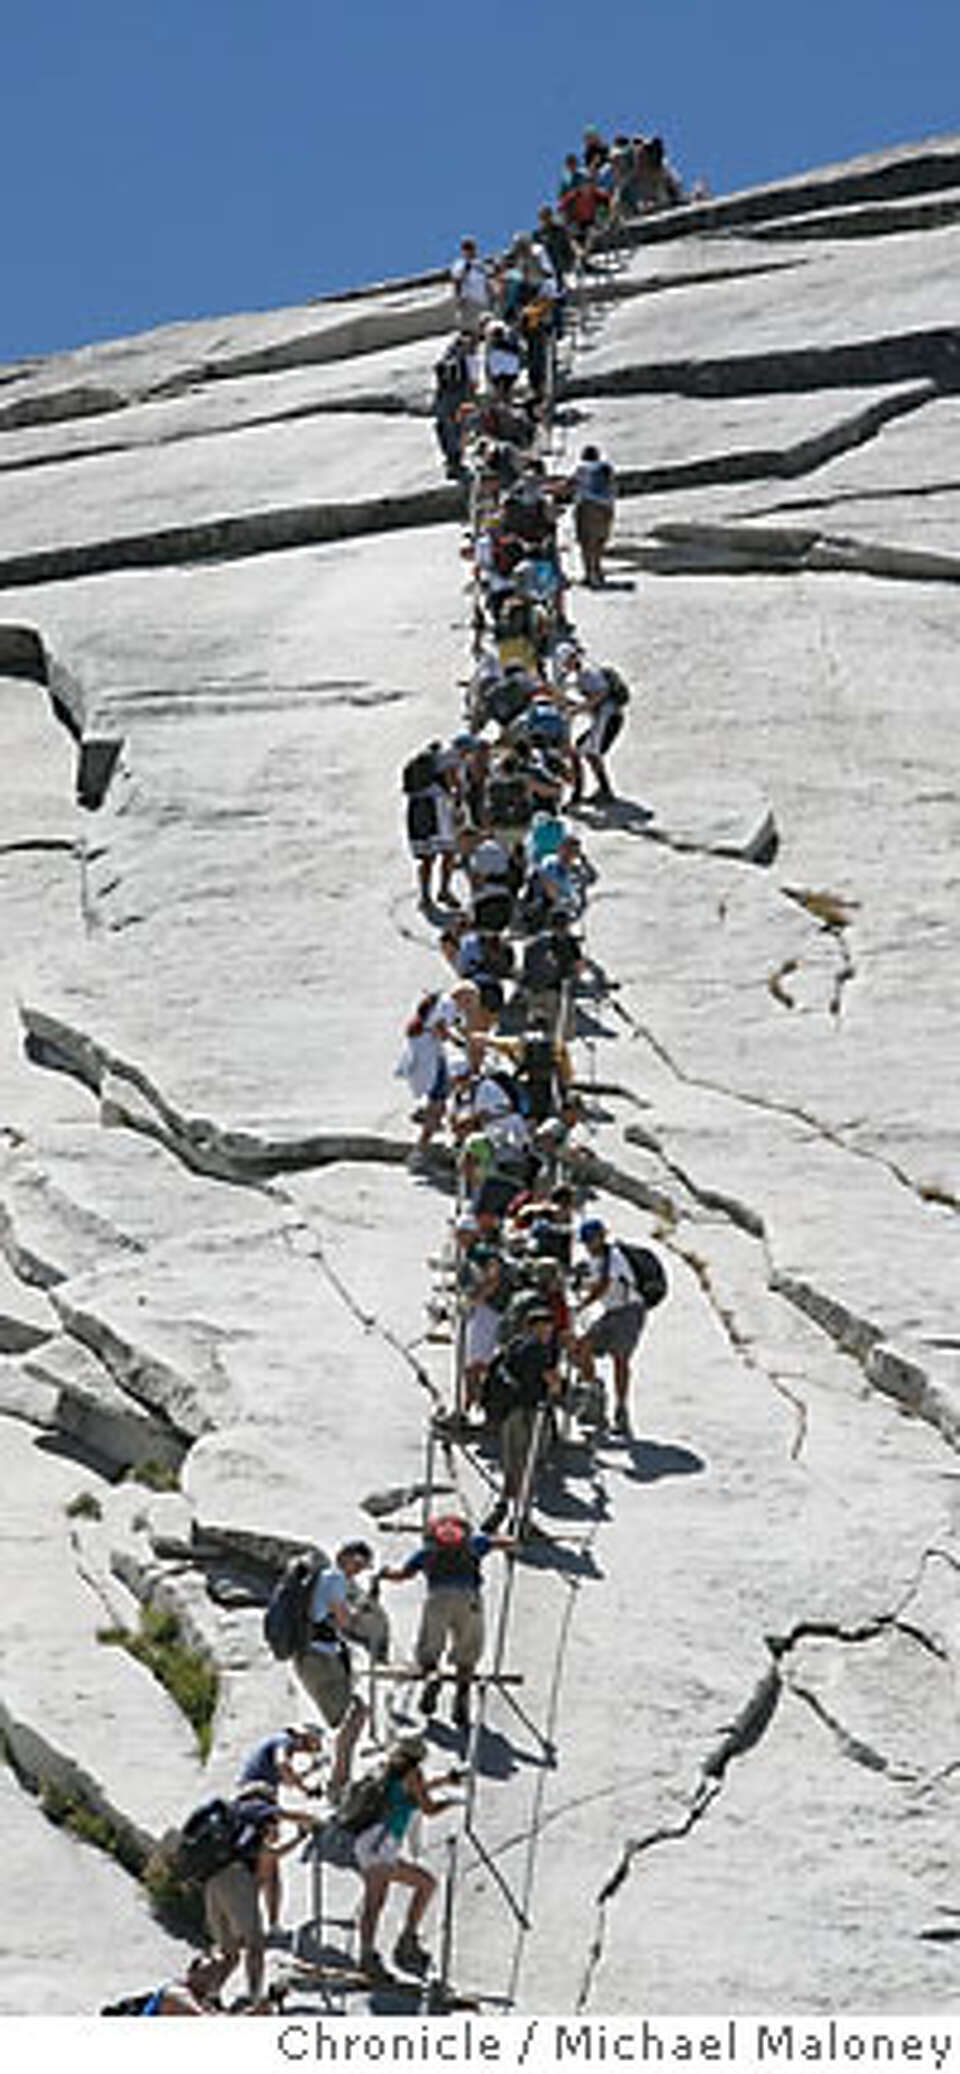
(541, 1290)
(511, 309)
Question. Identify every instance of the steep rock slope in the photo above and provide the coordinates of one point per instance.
(227, 563)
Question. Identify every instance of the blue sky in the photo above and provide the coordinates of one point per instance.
(197, 158)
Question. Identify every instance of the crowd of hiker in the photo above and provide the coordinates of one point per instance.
(541, 1290)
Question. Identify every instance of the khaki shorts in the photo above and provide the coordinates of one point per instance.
(325, 1677)
(618, 1331)
(232, 1909)
(451, 1618)
(516, 1434)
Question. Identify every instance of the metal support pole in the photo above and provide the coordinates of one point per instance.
(446, 1934)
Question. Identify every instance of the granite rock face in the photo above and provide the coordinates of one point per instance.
(231, 604)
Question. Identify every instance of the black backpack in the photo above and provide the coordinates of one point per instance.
(286, 1622)
(363, 1803)
(421, 817)
(508, 802)
(448, 1556)
(648, 1272)
(537, 1075)
(420, 771)
(508, 699)
(208, 1841)
(617, 690)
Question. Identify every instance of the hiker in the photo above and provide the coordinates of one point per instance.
(451, 389)
(270, 1762)
(611, 1282)
(552, 963)
(450, 1559)
(605, 697)
(503, 360)
(486, 1291)
(556, 242)
(471, 288)
(593, 488)
(523, 1378)
(404, 1791)
(323, 1665)
(423, 1061)
(231, 1896)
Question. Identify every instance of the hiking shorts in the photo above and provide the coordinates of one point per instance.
(603, 733)
(594, 525)
(232, 1909)
(326, 1679)
(617, 1332)
(375, 1846)
(452, 1617)
(516, 1434)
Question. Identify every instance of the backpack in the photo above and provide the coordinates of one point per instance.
(448, 1557)
(508, 802)
(508, 699)
(363, 1803)
(207, 1841)
(541, 966)
(648, 1272)
(421, 817)
(617, 690)
(286, 1620)
(420, 771)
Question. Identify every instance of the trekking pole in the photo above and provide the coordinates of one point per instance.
(446, 1935)
(525, 1496)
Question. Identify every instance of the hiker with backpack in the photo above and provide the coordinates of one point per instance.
(378, 1812)
(231, 1892)
(322, 1662)
(593, 489)
(605, 697)
(612, 1279)
(450, 1560)
(269, 1767)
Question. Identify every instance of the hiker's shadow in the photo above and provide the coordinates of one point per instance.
(550, 1552)
(630, 815)
(649, 1461)
(497, 1757)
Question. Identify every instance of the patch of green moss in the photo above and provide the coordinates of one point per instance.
(157, 1476)
(67, 1812)
(188, 1676)
(84, 1506)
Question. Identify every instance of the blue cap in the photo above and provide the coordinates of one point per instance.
(592, 1228)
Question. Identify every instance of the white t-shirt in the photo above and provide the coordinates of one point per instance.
(621, 1283)
(469, 278)
(329, 1591)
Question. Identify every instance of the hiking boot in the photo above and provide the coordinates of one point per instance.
(410, 1956)
(621, 1419)
(429, 1696)
(371, 1964)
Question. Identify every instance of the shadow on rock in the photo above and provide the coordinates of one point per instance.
(650, 1460)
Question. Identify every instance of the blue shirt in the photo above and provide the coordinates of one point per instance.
(478, 1546)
